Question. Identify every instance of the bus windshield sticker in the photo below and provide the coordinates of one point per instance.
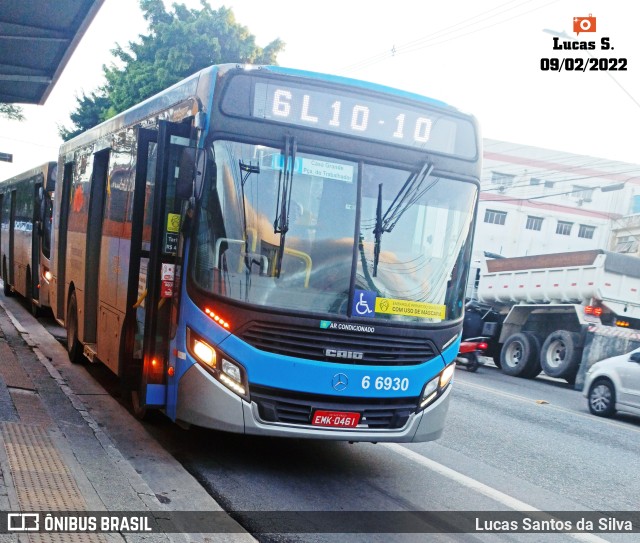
(173, 222)
(315, 167)
(364, 303)
(391, 306)
(170, 243)
(328, 170)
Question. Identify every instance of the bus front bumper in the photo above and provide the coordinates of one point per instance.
(203, 401)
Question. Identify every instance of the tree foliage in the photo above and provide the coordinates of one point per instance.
(9, 111)
(178, 43)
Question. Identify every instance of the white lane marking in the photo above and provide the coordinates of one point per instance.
(477, 486)
(549, 405)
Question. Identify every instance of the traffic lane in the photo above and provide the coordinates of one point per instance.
(292, 475)
(572, 454)
(248, 473)
(362, 471)
(544, 388)
(556, 392)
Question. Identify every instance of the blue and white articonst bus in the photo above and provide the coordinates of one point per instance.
(271, 251)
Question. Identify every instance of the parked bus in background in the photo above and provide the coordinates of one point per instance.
(271, 251)
(26, 207)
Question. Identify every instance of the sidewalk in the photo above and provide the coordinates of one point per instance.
(55, 456)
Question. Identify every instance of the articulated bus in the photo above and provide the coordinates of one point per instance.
(26, 205)
(271, 251)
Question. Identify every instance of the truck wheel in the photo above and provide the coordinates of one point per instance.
(519, 355)
(560, 354)
(534, 368)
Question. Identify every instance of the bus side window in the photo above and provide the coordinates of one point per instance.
(211, 229)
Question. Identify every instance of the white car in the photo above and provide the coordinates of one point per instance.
(613, 384)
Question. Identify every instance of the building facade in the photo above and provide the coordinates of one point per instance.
(536, 201)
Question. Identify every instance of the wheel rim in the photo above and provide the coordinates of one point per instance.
(556, 353)
(513, 355)
(600, 398)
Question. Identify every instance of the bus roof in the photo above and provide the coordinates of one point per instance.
(43, 169)
(188, 87)
(359, 83)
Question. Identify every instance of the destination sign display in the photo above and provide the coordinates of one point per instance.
(358, 115)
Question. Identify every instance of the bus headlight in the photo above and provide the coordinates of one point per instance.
(231, 374)
(204, 353)
(446, 375)
(231, 377)
(429, 392)
(231, 370)
(436, 386)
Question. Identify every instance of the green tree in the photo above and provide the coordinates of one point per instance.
(9, 111)
(178, 43)
(90, 112)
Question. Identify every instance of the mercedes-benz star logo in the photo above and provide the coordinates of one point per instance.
(340, 381)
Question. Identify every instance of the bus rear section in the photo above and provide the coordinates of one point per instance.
(289, 259)
(26, 214)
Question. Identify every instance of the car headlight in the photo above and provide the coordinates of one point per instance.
(229, 373)
(436, 386)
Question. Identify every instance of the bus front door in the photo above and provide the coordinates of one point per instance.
(155, 264)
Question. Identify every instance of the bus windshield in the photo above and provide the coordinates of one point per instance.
(288, 231)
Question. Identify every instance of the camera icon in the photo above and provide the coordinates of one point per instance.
(584, 24)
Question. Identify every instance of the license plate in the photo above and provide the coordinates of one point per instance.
(335, 419)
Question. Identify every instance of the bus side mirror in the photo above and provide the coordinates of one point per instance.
(186, 173)
(204, 167)
(635, 357)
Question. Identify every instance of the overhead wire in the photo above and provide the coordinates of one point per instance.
(451, 30)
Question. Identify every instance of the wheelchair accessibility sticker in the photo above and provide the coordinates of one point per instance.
(364, 303)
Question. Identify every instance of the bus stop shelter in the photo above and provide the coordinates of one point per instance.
(37, 38)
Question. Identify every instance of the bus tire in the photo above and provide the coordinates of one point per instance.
(560, 354)
(519, 354)
(33, 306)
(5, 280)
(139, 412)
(74, 347)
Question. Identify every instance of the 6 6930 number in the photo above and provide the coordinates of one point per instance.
(385, 383)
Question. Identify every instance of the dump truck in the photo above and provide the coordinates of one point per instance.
(557, 313)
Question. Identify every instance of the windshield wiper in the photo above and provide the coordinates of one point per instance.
(283, 203)
(245, 171)
(411, 192)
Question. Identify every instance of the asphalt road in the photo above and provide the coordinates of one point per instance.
(509, 445)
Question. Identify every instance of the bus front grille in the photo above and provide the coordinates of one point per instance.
(338, 347)
(296, 408)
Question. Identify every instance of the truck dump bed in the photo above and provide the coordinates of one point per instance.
(576, 277)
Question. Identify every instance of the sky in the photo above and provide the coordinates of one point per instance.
(483, 57)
